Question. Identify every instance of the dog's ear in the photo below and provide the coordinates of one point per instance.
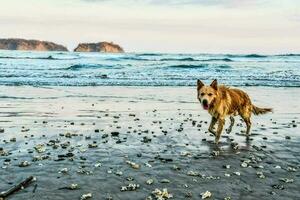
(214, 84)
(199, 84)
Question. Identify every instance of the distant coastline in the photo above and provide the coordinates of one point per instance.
(39, 45)
(103, 47)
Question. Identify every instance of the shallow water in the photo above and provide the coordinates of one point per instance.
(147, 69)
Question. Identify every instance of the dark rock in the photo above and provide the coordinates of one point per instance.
(103, 47)
(279, 187)
(115, 133)
(30, 45)
(67, 155)
(146, 139)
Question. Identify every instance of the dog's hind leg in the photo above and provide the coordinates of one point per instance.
(231, 124)
(248, 124)
(247, 118)
(221, 123)
(211, 126)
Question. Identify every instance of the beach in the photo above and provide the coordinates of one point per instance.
(126, 100)
(121, 142)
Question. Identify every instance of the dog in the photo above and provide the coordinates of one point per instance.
(221, 101)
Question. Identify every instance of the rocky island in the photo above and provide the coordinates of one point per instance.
(30, 45)
(104, 47)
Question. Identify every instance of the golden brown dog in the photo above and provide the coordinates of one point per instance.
(221, 101)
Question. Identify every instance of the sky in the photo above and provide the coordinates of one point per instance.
(171, 26)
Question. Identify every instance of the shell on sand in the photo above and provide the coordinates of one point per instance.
(86, 196)
(162, 194)
(133, 165)
(206, 195)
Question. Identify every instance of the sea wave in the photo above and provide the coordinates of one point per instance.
(199, 66)
(146, 69)
(36, 58)
(14, 97)
(289, 55)
(246, 56)
(223, 66)
(128, 58)
(187, 66)
(178, 59)
(188, 59)
(87, 66)
(149, 54)
(194, 59)
(191, 82)
(135, 58)
(255, 56)
(218, 59)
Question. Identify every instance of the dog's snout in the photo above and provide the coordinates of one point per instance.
(205, 102)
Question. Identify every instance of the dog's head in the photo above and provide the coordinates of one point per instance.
(206, 94)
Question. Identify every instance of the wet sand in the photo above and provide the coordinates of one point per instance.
(109, 139)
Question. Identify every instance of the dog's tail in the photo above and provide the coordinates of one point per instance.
(260, 111)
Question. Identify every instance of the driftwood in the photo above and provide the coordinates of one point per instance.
(17, 187)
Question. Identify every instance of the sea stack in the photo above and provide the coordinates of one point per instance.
(30, 45)
(102, 47)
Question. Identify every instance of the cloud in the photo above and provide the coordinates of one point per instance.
(226, 3)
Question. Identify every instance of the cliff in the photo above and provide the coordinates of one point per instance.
(30, 45)
(104, 47)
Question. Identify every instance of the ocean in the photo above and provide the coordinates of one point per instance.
(19, 68)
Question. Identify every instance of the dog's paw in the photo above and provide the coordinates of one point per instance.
(217, 141)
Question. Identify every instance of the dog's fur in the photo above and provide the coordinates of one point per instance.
(222, 101)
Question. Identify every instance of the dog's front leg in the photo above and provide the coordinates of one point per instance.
(211, 126)
(231, 124)
(221, 123)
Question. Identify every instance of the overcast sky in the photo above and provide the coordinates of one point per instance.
(175, 26)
